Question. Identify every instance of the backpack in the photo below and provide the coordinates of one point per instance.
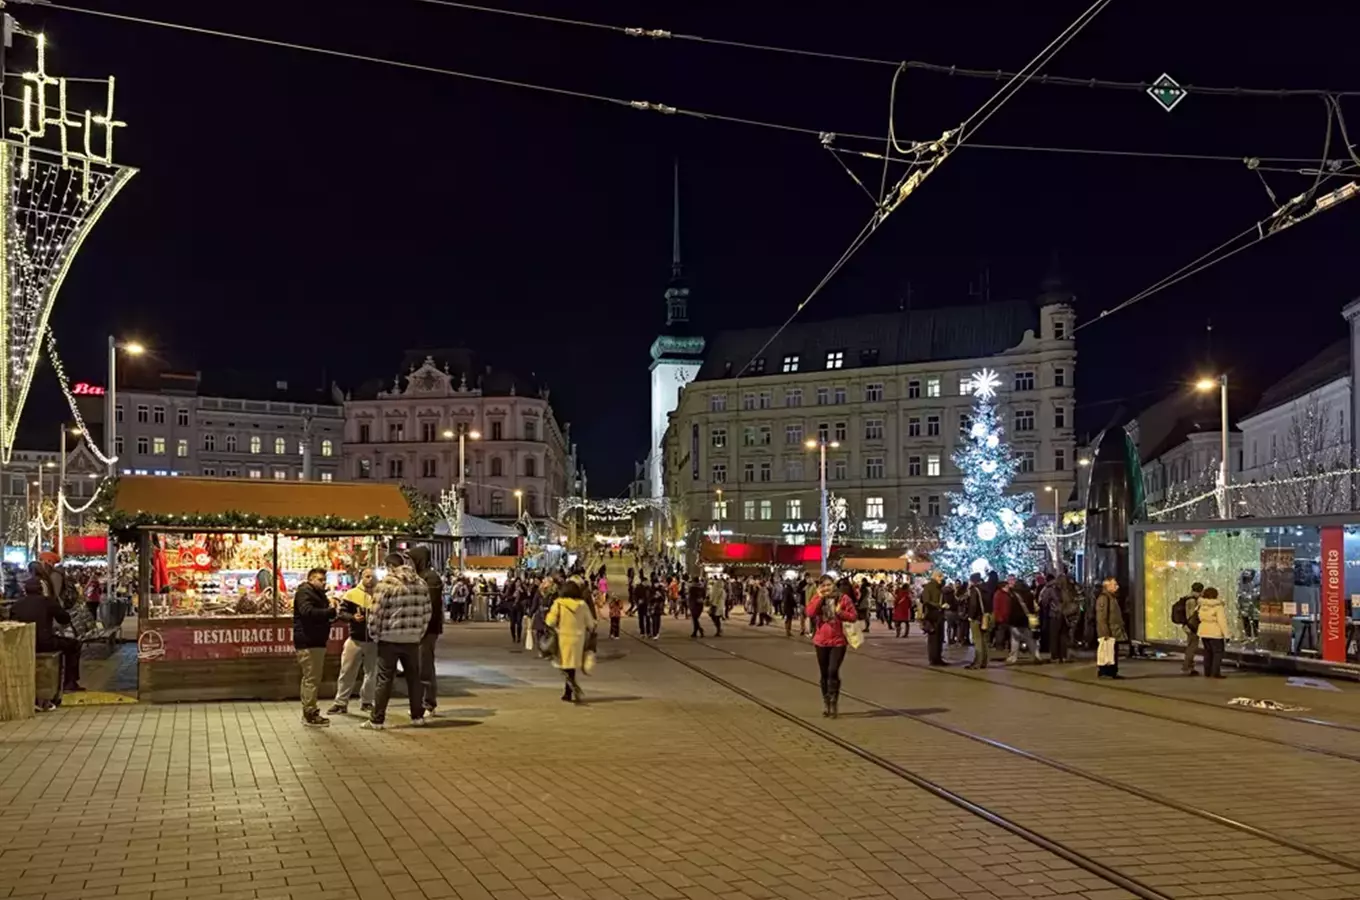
(1178, 611)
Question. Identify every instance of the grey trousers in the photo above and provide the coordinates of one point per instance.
(357, 655)
(1191, 645)
(427, 676)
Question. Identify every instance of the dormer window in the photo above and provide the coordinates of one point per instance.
(835, 359)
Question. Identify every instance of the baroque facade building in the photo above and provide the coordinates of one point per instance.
(889, 391)
(408, 433)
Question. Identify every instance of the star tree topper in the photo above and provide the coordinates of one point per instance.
(984, 384)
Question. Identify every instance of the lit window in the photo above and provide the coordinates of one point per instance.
(158, 446)
(182, 447)
(873, 392)
(182, 417)
(793, 397)
(327, 447)
(719, 473)
(719, 510)
(793, 509)
(255, 473)
(873, 507)
(933, 505)
(914, 389)
(1024, 381)
(1024, 420)
(766, 510)
(873, 467)
(791, 363)
(718, 437)
(327, 476)
(255, 443)
(748, 510)
(933, 465)
(143, 445)
(280, 474)
(932, 387)
(716, 403)
(932, 426)
(835, 359)
(280, 446)
(965, 386)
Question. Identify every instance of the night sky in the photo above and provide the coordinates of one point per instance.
(315, 217)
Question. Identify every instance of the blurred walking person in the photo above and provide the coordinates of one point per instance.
(696, 601)
(832, 607)
(572, 620)
(717, 604)
(901, 610)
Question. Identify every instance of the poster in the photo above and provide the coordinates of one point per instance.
(227, 640)
(1332, 614)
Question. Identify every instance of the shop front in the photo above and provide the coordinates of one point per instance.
(218, 564)
(1291, 586)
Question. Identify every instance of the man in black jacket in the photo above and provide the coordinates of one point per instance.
(978, 610)
(45, 612)
(312, 617)
(420, 559)
(932, 616)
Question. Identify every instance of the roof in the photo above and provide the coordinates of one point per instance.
(279, 386)
(476, 527)
(161, 496)
(1329, 365)
(462, 364)
(879, 339)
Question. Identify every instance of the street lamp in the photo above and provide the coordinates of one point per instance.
(519, 504)
(1204, 385)
(826, 523)
(463, 434)
(131, 348)
(1057, 517)
(1084, 461)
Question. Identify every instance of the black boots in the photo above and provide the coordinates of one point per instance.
(826, 706)
(829, 703)
(835, 702)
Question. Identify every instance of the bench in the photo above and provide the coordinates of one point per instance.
(101, 634)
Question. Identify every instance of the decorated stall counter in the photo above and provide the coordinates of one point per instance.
(219, 561)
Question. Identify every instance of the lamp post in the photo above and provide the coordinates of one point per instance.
(519, 504)
(1205, 385)
(720, 513)
(1057, 517)
(826, 522)
(131, 348)
(463, 434)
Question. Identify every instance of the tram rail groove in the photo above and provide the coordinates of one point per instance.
(1151, 797)
(1062, 851)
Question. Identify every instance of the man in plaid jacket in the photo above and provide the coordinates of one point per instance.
(401, 613)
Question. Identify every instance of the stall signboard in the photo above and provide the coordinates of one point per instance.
(171, 642)
(1332, 624)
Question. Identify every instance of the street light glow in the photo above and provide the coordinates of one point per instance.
(519, 493)
(1206, 384)
(811, 444)
(1084, 461)
(133, 348)
(834, 445)
(448, 432)
(475, 435)
(1048, 488)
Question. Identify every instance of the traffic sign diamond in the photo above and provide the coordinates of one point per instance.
(1166, 92)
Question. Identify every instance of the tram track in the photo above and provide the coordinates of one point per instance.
(1071, 854)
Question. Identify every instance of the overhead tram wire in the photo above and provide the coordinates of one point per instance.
(660, 34)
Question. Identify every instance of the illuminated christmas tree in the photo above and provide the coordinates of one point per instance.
(985, 528)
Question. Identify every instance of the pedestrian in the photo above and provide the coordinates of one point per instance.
(717, 604)
(458, 599)
(695, 602)
(1051, 602)
(40, 607)
(863, 600)
(397, 623)
(788, 605)
(1212, 630)
(1021, 619)
(569, 616)
(901, 610)
(616, 611)
(933, 616)
(978, 612)
(656, 607)
(429, 681)
(514, 604)
(1183, 612)
(359, 651)
(312, 617)
(1109, 629)
(832, 606)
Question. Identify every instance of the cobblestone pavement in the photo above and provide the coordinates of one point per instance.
(666, 785)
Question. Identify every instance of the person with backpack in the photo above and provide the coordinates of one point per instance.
(1183, 612)
(1211, 625)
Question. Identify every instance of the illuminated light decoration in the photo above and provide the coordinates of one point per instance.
(48, 206)
(613, 509)
(979, 566)
(992, 441)
(60, 371)
(986, 531)
(984, 384)
(85, 389)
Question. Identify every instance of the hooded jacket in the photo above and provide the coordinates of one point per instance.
(420, 558)
(1213, 617)
(401, 608)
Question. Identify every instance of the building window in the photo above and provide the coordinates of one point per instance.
(1024, 420)
(255, 473)
(231, 472)
(530, 430)
(932, 387)
(143, 413)
(209, 472)
(365, 433)
(748, 401)
(835, 359)
(498, 430)
(255, 443)
(209, 442)
(231, 443)
(143, 445)
(914, 426)
(1059, 417)
(913, 467)
(530, 467)
(838, 396)
(766, 510)
(873, 507)
(965, 422)
(873, 467)
(764, 434)
(396, 431)
(840, 469)
(766, 471)
(182, 447)
(748, 436)
(1024, 381)
(932, 426)
(158, 415)
(396, 467)
(914, 389)
(427, 431)
(793, 433)
(823, 396)
(497, 467)
(838, 432)
(873, 392)
(302, 449)
(933, 505)
(965, 386)
(933, 465)
(158, 446)
(793, 510)
(748, 510)
(765, 399)
(748, 471)
(280, 446)
(497, 503)
(914, 504)
(873, 429)
(716, 403)
(823, 432)
(429, 468)
(718, 437)
(1059, 328)
(118, 414)
(868, 356)
(719, 510)
(182, 417)
(1059, 459)
(365, 469)
(793, 397)
(280, 474)
(327, 447)
(758, 366)
(327, 476)
(1026, 459)
(791, 363)
(793, 469)
(1059, 376)
(720, 473)
(118, 445)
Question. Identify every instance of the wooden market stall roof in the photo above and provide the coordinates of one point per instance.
(159, 495)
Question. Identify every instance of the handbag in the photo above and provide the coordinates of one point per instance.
(528, 633)
(1033, 620)
(854, 634)
(986, 622)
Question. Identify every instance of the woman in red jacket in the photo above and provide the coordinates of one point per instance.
(831, 608)
(902, 610)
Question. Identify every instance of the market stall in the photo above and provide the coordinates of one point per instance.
(219, 562)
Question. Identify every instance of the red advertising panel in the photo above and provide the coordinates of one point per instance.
(253, 639)
(1332, 623)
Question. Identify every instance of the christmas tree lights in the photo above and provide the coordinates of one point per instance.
(985, 529)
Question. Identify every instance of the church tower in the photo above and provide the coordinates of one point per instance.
(676, 353)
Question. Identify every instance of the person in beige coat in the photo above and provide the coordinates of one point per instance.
(571, 618)
(1212, 630)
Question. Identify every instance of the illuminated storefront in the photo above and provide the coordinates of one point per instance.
(1291, 586)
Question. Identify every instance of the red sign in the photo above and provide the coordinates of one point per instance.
(230, 639)
(85, 545)
(1332, 622)
(89, 390)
